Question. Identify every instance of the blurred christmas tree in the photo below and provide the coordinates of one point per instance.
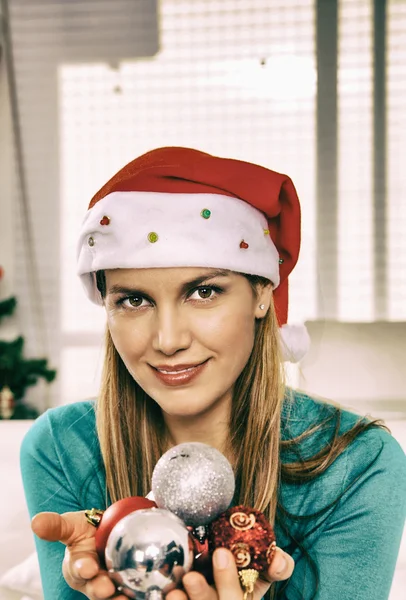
(18, 373)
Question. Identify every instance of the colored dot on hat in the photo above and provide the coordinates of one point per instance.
(91, 241)
(105, 220)
(266, 231)
(244, 245)
(206, 213)
(281, 261)
(153, 237)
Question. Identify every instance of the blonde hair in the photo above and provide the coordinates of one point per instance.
(132, 433)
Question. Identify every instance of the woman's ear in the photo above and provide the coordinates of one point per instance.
(264, 299)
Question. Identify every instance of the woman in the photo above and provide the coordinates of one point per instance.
(190, 256)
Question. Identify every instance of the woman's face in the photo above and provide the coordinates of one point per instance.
(171, 318)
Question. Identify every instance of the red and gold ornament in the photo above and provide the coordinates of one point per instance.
(250, 537)
(113, 514)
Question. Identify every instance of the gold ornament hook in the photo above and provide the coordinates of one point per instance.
(248, 579)
(94, 516)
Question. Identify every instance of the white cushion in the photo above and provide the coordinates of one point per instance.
(23, 581)
(17, 539)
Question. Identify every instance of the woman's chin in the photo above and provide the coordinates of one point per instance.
(189, 406)
(186, 410)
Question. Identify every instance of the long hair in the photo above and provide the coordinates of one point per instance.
(133, 437)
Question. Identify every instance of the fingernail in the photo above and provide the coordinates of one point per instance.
(281, 561)
(221, 558)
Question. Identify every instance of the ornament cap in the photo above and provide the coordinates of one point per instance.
(94, 516)
(248, 578)
(154, 594)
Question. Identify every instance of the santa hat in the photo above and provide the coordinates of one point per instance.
(179, 207)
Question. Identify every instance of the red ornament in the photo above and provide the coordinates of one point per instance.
(113, 514)
(244, 245)
(1, 272)
(105, 220)
(250, 537)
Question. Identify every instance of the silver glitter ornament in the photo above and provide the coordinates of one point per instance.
(194, 481)
(148, 552)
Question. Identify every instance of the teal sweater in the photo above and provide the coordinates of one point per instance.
(354, 542)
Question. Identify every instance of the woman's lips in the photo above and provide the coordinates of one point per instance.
(180, 378)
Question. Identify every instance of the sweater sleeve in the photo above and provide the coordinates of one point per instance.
(357, 549)
(48, 487)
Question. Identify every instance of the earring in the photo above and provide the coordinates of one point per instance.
(262, 306)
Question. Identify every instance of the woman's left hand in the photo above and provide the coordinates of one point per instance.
(227, 584)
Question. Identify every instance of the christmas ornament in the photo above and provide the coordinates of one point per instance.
(247, 533)
(148, 552)
(6, 403)
(194, 481)
(113, 514)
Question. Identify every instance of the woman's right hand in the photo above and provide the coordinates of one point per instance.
(81, 566)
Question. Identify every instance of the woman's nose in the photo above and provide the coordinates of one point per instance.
(172, 332)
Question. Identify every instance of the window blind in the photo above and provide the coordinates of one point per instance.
(396, 142)
(232, 78)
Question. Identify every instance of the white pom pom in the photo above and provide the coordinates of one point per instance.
(295, 342)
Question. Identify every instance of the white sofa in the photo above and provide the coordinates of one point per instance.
(19, 574)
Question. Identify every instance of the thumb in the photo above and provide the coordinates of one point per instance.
(66, 528)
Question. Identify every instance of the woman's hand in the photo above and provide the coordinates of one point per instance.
(82, 572)
(227, 583)
(81, 567)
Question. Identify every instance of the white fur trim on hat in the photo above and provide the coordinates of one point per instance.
(184, 237)
(295, 341)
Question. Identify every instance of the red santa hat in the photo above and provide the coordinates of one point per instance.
(179, 207)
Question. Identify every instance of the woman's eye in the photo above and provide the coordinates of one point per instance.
(207, 292)
(132, 301)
